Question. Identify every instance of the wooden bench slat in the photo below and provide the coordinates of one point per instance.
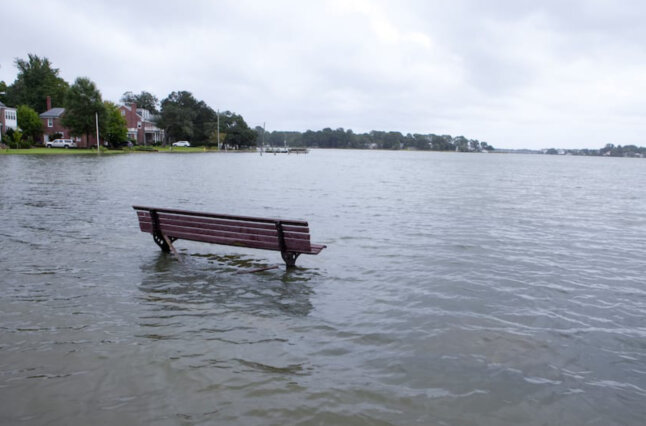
(236, 227)
(178, 231)
(292, 244)
(316, 248)
(225, 222)
(223, 216)
(290, 232)
(224, 241)
(302, 233)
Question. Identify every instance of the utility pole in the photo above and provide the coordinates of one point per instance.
(262, 144)
(98, 151)
(218, 129)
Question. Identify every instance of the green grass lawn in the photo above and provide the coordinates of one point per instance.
(82, 151)
(56, 151)
(186, 149)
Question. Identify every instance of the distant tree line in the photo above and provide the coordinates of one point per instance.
(340, 138)
(610, 150)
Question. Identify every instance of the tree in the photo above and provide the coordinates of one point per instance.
(421, 142)
(36, 80)
(392, 140)
(441, 143)
(14, 139)
(116, 128)
(486, 147)
(205, 124)
(82, 103)
(184, 117)
(143, 100)
(178, 112)
(29, 122)
(238, 133)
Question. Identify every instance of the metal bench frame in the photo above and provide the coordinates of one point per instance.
(290, 237)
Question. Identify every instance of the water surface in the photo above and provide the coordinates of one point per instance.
(456, 289)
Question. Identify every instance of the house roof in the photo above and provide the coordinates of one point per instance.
(142, 114)
(129, 108)
(5, 107)
(53, 113)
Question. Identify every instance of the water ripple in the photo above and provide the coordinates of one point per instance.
(455, 289)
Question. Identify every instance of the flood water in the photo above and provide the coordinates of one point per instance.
(456, 289)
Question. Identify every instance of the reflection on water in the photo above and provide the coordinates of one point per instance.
(207, 284)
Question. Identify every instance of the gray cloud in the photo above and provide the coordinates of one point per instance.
(513, 73)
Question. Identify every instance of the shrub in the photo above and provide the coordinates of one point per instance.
(16, 142)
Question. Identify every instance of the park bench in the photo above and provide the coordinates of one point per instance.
(290, 237)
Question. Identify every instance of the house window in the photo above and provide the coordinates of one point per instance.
(50, 122)
(123, 113)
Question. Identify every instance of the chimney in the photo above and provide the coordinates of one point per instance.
(134, 107)
(49, 103)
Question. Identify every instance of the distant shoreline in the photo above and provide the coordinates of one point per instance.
(617, 152)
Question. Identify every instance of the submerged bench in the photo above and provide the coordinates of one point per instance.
(290, 237)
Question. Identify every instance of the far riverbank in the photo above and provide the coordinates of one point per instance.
(81, 151)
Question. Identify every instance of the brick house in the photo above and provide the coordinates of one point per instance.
(8, 119)
(52, 125)
(141, 125)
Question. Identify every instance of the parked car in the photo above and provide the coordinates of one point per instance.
(181, 143)
(61, 143)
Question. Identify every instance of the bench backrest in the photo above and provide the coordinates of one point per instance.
(243, 231)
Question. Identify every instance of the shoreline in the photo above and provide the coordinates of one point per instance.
(203, 150)
(92, 151)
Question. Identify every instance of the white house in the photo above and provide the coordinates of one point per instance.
(8, 119)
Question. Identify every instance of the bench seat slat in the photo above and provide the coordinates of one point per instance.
(214, 239)
(241, 242)
(316, 248)
(222, 216)
(301, 232)
(176, 231)
(241, 227)
(241, 239)
(228, 222)
(236, 227)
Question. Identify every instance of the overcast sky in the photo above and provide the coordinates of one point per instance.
(513, 73)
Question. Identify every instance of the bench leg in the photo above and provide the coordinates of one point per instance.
(164, 242)
(290, 258)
